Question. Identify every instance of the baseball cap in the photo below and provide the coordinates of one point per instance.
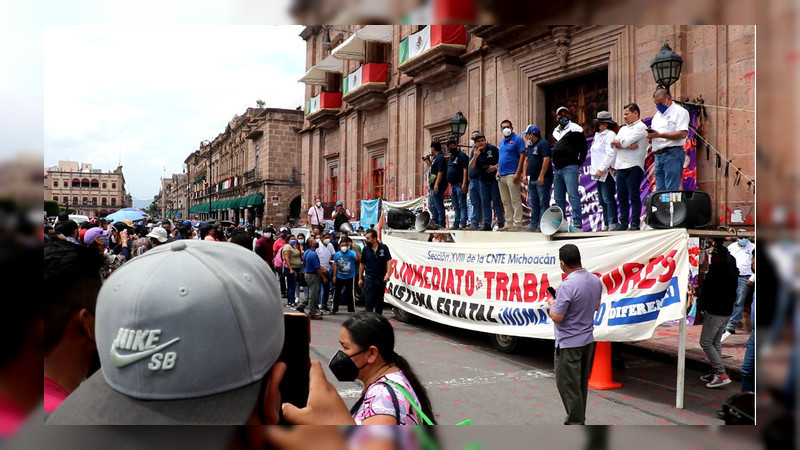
(181, 347)
(478, 135)
(120, 226)
(283, 229)
(532, 129)
(158, 233)
(339, 203)
(94, 233)
(186, 223)
(561, 108)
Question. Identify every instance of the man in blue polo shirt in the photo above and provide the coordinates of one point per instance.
(484, 159)
(457, 177)
(540, 174)
(374, 271)
(437, 182)
(572, 312)
(511, 162)
(314, 272)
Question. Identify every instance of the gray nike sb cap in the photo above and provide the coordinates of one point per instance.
(185, 333)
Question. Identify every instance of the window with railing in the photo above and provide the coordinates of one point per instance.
(334, 177)
(377, 176)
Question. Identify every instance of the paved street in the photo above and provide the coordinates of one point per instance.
(467, 379)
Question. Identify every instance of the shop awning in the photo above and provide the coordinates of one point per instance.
(353, 47)
(253, 200)
(316, 74)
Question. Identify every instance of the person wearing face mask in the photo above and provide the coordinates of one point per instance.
(264, 244)
(71, 283)
(572, 312)
(476, 215)
(670, 126)
(325, 252)
(277, 261)
(540, 174)
(457, 177)
(96, 238)
(484, 160)
(569, 154)
(292, 264)
(742, 250)
(437, 185)
(603, 157)
(316, 214)
(390, 385)
(510, 165)
(344, 272)
(314, 274)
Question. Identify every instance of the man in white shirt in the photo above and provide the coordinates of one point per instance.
(325, 252)
(670, 126)
(742, 251)
(631, 143)
(316, 214)
(603, 156)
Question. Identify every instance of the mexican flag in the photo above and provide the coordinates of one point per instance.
(312, 105)
(430, 37)
(352, 81)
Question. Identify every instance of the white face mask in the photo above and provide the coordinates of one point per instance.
(471, 142)
(267, 235)
(529, 142)
(326, 241)
(345, 248)
(506, 132)
(319, 204)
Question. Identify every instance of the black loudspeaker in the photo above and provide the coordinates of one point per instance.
(678, 209)
(400, 219)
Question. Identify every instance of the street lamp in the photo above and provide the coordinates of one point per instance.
(458, 125)
(666, 66)
(196, 155)
(327, 39)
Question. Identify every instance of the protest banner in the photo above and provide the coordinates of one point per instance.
(501, 287)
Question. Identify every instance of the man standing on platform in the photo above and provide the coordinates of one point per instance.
(510, 165)
(569, 154)
(457, 177)
(631, 143)
(572, 312)
(669, 127)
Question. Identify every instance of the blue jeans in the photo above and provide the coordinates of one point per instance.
(738, 306)
(538, 200)
(475, 199)
(669, 169)
(605, 193)
(291, 285)
(490, 198)
(324, 291)
(629, 183)
(373, 294)
(437, 207)
(749, 364)
(565, 182)
(459, 204)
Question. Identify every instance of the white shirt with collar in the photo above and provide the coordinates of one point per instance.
(743, 256)
(627, 157)
(325, 254)
(675, 118)
(558, 133)
(602, 153)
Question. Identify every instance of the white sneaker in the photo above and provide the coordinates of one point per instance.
(725, 335)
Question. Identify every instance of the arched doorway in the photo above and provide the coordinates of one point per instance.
(294, 211)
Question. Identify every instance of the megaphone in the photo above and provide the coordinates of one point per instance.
(346, 228)
(553, 221)
(424, 222)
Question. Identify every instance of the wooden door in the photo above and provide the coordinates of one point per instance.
(584, 96)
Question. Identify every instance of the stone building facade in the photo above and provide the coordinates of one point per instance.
(172, 202)
(369, 145)
(88, 191)
(250, 173)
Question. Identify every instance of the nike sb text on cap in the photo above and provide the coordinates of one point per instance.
(184, 346)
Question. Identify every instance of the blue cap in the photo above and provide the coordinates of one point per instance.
(187, 223)
(339, 203)
(532, 129)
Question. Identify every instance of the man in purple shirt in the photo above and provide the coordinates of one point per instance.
(572, 312)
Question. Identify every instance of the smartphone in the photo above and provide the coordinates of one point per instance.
(551, 291)
(650, 130)
(295, 353)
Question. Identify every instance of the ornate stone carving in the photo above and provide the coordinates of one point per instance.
(561, 38)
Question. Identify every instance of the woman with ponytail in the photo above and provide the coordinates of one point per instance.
(392, 395)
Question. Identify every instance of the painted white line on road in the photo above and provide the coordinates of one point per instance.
(497, 377)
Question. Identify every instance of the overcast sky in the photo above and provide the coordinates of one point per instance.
(145, 96)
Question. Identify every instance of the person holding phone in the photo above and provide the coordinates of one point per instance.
(669, 128)
(572, 311)
(485, 159)
(390, 385)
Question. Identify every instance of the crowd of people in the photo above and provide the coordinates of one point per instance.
(492, 176)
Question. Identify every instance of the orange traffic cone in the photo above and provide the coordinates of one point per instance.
(600, 378)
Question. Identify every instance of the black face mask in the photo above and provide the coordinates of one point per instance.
(563, 121)
(343, 367)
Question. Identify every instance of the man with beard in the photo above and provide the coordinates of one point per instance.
(71, 281)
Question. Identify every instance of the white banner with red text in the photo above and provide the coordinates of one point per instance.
(501, 287)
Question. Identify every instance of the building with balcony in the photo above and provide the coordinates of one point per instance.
(173, 202)
(88, 191)
(250, 173)
(379, 94)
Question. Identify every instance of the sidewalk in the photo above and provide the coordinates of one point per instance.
(664, 345)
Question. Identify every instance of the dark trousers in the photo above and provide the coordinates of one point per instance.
(324, 291)
(373, 294)
(282, 279)
(291, 285)
(629, 183)
(572, 368)
(343, 294)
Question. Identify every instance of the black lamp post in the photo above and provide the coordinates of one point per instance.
(196, 154)
(458, 125)
(666, 66)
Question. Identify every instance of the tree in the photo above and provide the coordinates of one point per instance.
(260, 103)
